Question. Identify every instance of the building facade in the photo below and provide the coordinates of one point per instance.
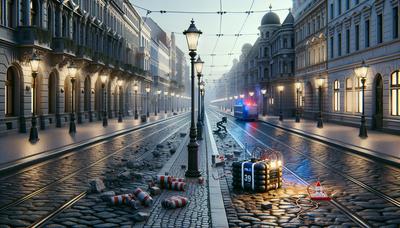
(268, 65)
(364, 30)
(311, 57)
(97, 37)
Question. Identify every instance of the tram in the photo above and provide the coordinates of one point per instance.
(246, 110)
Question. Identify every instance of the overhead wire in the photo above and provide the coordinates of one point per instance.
(220, 12)
(241, 27)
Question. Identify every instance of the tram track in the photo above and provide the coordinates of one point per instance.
(169, 130)
(69, 203)
(82, 146)
(27, 173)
(354, 216)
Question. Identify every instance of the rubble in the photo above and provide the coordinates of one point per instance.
(105, 196)
(155, 191)
(141, 216)
(96, 185)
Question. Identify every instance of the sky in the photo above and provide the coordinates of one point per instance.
(209, 24)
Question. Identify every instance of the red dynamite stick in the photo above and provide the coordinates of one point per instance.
(177, 186)
(178, 180)
(120, 199)
(143, 197)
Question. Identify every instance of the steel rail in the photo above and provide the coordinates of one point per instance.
(348, 177)
(351, 215)
(49, 185)
(106, 139)
(75, 199)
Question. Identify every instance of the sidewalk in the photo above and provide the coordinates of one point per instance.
(17, 151)
(379, 145)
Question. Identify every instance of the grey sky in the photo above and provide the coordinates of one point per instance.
(209, 25)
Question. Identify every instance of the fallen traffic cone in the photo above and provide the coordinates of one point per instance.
(317, 192)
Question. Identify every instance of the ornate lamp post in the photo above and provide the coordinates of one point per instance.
(231, 103)
(147, 101)
(135, 89)
(165, 101)
(298, 85)
(280, 89)
(241, 96)
(33, 134)
(199, 68)
(120, 82)
(202, 92)
(72, 74)
(157, 105)
(171, 101)
(320, 82)
(103, 79)
(362, 73)
(263, 93)
(192, 37)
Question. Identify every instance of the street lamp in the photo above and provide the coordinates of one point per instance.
(320, 82)
(263, 93)
(165, 101)
(157, 105)
(120, 82)
(230, 103)
(280, 89)
(202, 92)
(172, 102)
(241, 96)
(147, 99)
(298, 85)
(72, 74)
(135, 89)
(361, 73)
(103, 79)
(34, 61)
(199, 68)
(192, 37)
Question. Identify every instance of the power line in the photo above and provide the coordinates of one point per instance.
(220, 12)
(226, 34)
(241, 28)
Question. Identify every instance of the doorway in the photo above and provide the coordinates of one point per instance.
(378, 115)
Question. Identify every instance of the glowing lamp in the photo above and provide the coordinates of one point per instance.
(35, 61)
(192, 36)
(362, 71)
(263, 91)
(198, 65)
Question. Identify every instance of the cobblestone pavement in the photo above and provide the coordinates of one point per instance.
(19, 185)
(196, 213)
(375, 210)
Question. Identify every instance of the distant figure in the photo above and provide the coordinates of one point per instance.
(220, 126)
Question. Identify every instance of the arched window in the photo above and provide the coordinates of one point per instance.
(52, 88)
(67, 95)
(359, 96)
(64, 26)
(395, 93)
(87, 95)
(349, 95)
(50, 20)
(10, 93)
(336, 96)
(34, 14)
(10, 13)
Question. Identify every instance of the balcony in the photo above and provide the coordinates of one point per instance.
(143, 51)
(33, 36)
(98, 58)
(84, 52)
(61, 45)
